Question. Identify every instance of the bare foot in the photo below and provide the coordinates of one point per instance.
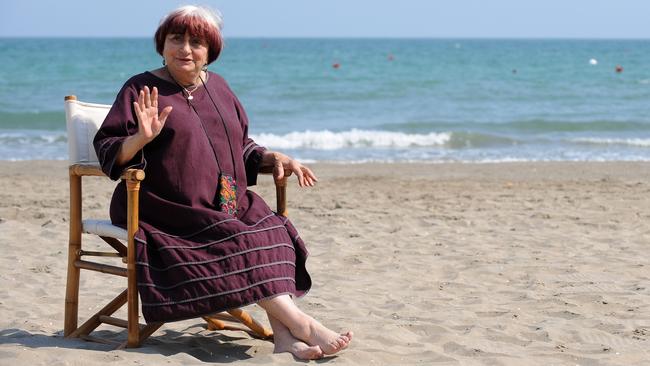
(297, 348)
(316, 334)
(286, 342)
(284, 314)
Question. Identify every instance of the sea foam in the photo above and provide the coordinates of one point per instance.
(354, 138)
(639, 142)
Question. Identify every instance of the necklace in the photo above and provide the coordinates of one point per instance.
(189, 92)
(192, 89)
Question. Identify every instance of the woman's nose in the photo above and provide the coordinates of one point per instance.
(186, 46)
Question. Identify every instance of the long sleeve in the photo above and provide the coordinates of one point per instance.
(118, 125)
(252, 152)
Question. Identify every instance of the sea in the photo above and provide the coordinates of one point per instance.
(366, 100)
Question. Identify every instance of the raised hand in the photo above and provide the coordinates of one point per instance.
(150, 123)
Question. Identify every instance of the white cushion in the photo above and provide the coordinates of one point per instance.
(82, 121)
(103, 228)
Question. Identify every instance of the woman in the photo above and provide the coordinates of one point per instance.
(205, 242)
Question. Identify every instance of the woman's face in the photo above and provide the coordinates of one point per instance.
(184, 54)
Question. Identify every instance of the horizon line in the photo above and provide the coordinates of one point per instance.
(350, 37)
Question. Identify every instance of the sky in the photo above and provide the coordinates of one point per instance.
(339, 18)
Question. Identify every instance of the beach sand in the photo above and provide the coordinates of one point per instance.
(444, 264)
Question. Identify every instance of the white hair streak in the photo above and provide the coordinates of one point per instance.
(212, 16)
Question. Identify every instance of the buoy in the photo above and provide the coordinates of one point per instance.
(593, 61)
(336, 65)
(619, 68)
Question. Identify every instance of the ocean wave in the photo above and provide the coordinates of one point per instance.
(358, 145)
(638, 142)
(355, 138)
(33, 144)
(32, 137)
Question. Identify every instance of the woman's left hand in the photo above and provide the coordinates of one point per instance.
(284, 166)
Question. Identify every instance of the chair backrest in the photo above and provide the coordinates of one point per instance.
(82, 121)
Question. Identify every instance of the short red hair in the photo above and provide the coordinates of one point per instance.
(198, 22)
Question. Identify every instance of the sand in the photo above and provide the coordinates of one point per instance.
(445, 264)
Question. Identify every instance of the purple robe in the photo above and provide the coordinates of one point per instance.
(193, 259)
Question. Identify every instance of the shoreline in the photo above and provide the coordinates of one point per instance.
(434, 170)
(455, 263)
(42, 162)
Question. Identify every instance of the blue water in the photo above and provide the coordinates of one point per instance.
(389, 99)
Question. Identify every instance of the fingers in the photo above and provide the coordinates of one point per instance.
(147, 97)
(306, 178)
(287, 166)
(150, 123)
(310, 177)
(278, 171)
(163, 115)
(299, 173)
(154, 97)
(138, 111)
(141, 100)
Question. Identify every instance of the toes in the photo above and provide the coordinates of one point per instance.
(338, 344)
(309, 353)
(315, 353)
(343, 340)
(335, 345)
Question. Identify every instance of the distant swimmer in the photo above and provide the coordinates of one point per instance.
(593, 61)
(336, 65)
(390, 57)
(514, 71)
(619, 69)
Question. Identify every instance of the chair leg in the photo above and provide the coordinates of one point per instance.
(133, 310)
(215, 322)
(93, 322)
(253, 324)
(71, 295)
(74, 246)
(145, 332)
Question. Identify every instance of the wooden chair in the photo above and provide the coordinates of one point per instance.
(83, 121)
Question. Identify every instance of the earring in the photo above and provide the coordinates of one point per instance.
(164, 64)
(205, 67)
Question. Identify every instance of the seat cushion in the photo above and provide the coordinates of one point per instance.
(103, 228)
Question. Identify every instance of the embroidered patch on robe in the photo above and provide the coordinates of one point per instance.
(227, 194)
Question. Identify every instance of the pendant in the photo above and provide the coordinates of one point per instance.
(189, 97)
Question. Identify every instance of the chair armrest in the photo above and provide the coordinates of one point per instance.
(133, 174)
(280, 193)
(281, 196)
(95, 170)
(81, 170)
